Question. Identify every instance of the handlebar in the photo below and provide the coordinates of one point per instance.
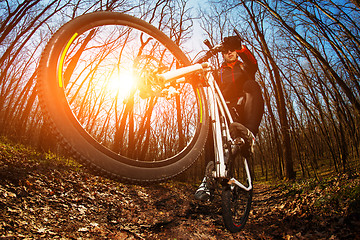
(214, 49)
(211, 52)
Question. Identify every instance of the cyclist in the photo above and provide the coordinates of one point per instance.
(243, 96)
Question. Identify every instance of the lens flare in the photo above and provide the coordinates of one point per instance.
(120, 83)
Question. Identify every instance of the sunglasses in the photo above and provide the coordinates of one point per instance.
(227, 50)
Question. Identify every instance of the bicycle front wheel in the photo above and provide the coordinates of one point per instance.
(97, 84)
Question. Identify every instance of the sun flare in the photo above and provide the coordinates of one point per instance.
(121, 83)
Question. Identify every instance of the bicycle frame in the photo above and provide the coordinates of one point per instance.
(220, 118)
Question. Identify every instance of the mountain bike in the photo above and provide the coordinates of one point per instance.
(126, 101)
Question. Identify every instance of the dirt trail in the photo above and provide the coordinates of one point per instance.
(50, 199)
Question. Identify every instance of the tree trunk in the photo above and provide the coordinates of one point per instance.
(280, 100)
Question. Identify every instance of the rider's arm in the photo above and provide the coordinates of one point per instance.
(248, 59)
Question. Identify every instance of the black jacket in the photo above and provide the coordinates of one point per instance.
(234, 75)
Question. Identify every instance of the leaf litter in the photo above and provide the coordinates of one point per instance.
(44, 196)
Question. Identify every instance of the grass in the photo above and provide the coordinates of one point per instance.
(10, 151)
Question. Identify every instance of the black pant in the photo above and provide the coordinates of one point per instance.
(250, 111)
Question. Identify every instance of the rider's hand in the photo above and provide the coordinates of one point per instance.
(232, 43)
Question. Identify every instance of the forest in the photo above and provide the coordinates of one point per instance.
(308, 54)
(307, 157)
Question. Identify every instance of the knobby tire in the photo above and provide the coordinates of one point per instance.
(122, 139)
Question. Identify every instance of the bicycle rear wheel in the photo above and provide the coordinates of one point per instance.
(93, 75)
(236, 206)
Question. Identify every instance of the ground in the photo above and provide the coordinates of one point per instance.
(45, 197)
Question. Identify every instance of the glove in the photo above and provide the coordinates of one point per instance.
(232, 43)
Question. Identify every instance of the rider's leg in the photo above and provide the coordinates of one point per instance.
(251, 113)
(205, 189)
(253, 107)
